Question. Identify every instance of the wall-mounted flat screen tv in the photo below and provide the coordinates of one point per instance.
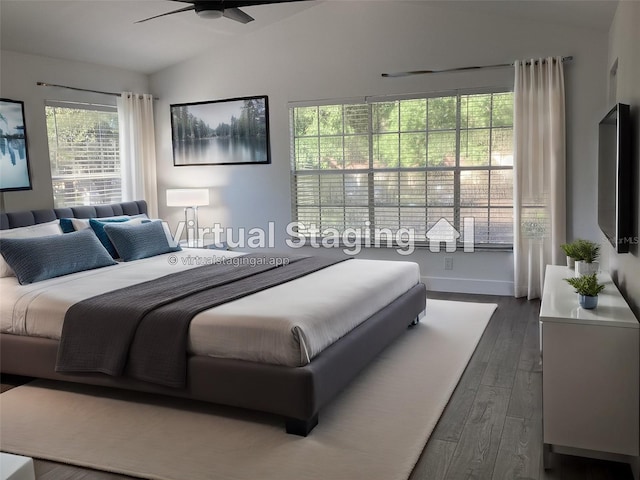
(615, 196)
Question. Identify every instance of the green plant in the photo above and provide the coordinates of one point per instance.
(571, 250)
(586, 285)
(587, 251)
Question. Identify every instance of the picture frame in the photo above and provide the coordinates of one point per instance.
(15, 173)
(232, 131)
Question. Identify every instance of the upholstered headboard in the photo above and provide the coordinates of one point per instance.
(31, 217)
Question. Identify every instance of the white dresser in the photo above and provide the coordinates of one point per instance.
(590, 371)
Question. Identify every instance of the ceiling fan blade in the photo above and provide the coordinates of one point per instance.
(249, 3)
(185, 9)
(237, 15)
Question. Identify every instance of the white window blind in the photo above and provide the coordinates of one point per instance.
(405, 163)
(84, 152)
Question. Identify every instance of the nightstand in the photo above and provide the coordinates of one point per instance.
(16, 467)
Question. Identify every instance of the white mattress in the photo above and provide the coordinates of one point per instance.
(286, 325)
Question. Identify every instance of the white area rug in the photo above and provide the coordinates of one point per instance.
(375, 430)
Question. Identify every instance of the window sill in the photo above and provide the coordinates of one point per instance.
(416, 246)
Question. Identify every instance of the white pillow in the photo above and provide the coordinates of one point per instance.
(32, 231)
(83, 223)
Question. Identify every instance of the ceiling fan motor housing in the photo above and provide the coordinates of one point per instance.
(209, 9)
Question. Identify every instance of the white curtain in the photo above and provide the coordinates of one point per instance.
(539, 171)
(138, 149)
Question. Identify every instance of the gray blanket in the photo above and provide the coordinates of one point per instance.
(142, 331)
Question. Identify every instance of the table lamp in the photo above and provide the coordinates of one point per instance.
(190, 199)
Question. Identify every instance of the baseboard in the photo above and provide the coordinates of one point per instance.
(468, 285)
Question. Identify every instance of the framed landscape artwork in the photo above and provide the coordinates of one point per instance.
(14, 157)
(222, 132)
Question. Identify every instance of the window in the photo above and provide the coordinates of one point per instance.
(84, 153)
(406, 163)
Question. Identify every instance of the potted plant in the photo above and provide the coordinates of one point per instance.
(587, 288)
(587, 254)
(572, 252)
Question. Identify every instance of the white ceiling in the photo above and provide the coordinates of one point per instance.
(103, 31)
(596, 14)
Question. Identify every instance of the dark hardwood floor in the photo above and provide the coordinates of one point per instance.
(492, 426)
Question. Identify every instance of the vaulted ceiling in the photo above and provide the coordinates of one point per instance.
(105, 32)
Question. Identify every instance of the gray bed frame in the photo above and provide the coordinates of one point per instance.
(295, 393)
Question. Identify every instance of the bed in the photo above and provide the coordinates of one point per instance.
(222, 368)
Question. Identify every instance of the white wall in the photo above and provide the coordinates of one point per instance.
(623, 47)
(338, 50)
(624, 39)
(18, 76)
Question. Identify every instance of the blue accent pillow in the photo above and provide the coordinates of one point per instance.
(40, 258)
(134, 242)
(98, 227)
(66, 226)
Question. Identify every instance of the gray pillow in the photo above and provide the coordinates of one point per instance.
(134, 242)
(40, 258)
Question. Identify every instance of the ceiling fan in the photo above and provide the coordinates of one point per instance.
(219, 8)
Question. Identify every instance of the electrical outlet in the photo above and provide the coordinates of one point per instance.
(448, 263)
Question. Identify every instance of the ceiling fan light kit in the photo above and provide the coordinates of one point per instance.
(209, 14)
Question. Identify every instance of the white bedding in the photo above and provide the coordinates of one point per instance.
(287, 325)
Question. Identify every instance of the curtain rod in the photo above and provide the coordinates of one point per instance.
(458, 69)
(113, 94)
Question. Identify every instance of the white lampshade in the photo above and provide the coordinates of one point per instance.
(187, 197)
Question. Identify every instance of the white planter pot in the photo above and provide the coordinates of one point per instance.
(570, 262)
(584, 268)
